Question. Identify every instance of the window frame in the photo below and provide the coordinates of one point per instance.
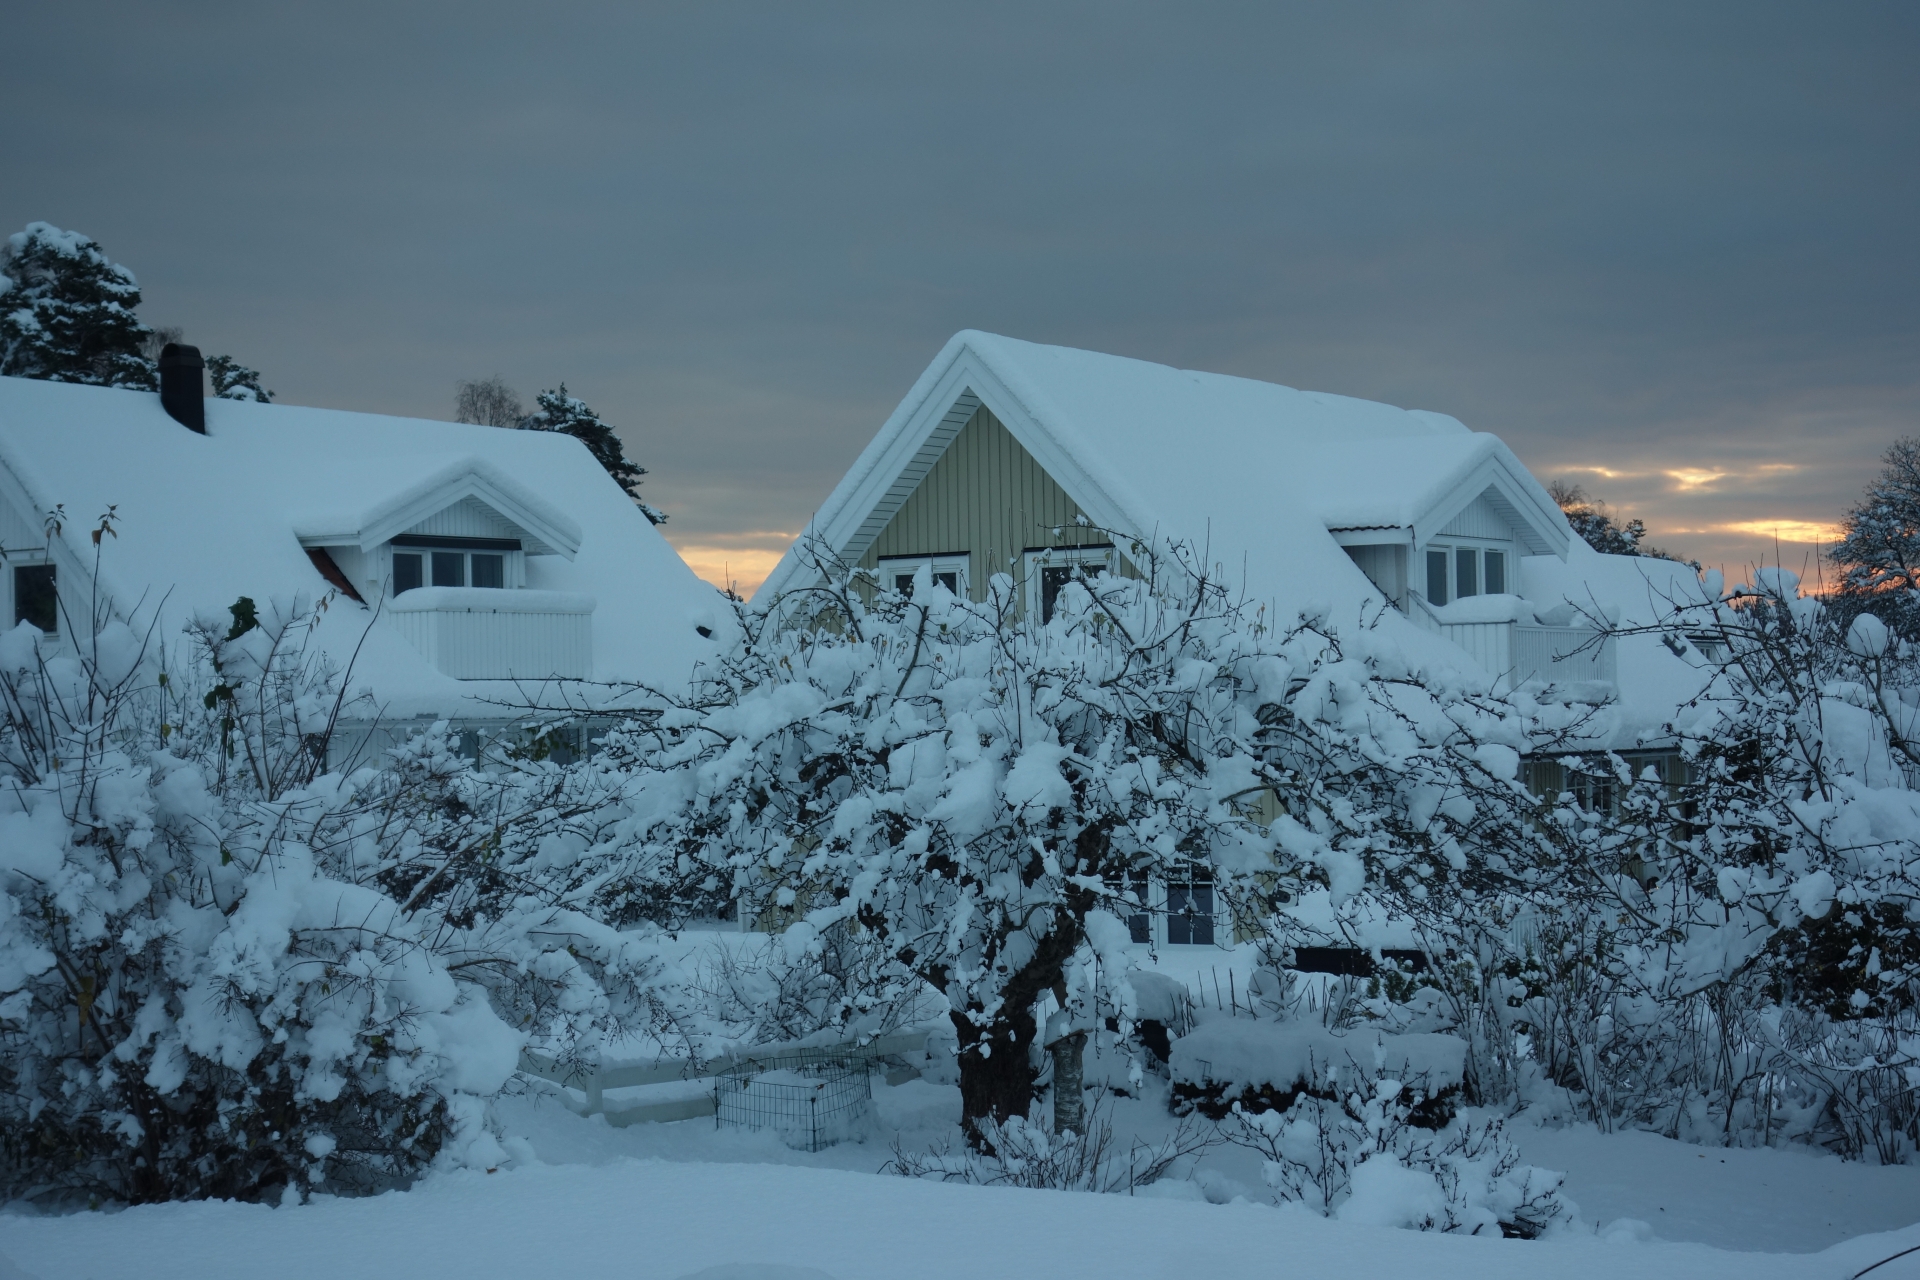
(1035, 561)
(888, 568)
(425, 548)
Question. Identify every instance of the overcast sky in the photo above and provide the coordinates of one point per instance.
(1665, 250)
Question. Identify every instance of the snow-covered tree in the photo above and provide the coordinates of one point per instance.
(1879, 548)
(989, 797)
(66, 312)
(232, 380)
(562, 412)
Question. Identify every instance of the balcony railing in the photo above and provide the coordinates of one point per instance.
(484, 633)
(1510, 639)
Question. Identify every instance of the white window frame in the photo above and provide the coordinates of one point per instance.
(1451, 547)
(1034, 559)
(955, 563)
(513, 573)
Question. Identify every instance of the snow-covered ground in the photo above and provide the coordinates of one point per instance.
(675, 1200)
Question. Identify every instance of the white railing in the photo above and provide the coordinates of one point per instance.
(1502, 634)
(489, 633)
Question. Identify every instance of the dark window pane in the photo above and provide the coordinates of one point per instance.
(406, 572)
(489, 571)
(1140, 924)
(1054, 577)
(951, 581)
(903, 584)
(449, 569)
(1190, 914)
(34, 599)
(1436, 577)
(1496, 573)
(1468, 577)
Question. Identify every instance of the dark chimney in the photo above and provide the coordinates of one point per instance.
(182, 393)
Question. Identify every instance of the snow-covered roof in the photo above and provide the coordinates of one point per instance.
(1269, 480)
(1239, 465)
(204, 519)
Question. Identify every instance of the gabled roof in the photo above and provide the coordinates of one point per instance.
(1254, 473)
(547, 529)
(202, 520)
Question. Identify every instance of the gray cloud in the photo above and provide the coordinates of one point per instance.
(1643, 237)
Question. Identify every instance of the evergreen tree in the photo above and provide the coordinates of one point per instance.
(1879, 548)
(66, 312)
(234, 381)
(562, 412)
(1595, 525)
(1879, 544)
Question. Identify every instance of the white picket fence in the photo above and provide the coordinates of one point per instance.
(695, 1097)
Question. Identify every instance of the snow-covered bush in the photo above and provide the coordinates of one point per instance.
(227, 971)
(1354, 1145)
(1730, 956)
(1019, 1152)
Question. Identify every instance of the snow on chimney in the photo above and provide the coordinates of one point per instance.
(182, 391)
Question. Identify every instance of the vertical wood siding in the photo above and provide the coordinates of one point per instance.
(1479, 521)
(503, 645)
(986, 496)
(467, 518)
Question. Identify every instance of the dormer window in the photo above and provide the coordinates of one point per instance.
(423, 560)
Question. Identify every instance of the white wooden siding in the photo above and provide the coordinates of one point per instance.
(1479, 520)
(468, 518)
(1386, 568)
(475, 633)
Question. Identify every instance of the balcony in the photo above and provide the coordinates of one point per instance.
(1517, 644)
(484, 633)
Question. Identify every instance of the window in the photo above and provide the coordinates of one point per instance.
(1466, 572)
(1436, 577)
(949, 571)
(406, 571)
(1190, 912)
(453, 562)
(1051, 568)
(34, 597)
(1496, 562)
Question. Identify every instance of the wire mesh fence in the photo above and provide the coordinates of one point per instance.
(811, 1100)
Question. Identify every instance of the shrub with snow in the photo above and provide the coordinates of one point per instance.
(226, 971)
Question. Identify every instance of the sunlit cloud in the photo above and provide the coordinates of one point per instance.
(1696, 479)
(741, 561)
(1785, 530)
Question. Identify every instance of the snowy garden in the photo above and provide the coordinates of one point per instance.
(845, 960)
(236, 971)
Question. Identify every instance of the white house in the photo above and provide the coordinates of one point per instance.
(1403, 518)
(474, 569)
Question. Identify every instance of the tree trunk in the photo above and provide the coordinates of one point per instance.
(998, 1083)
(1069, 1087)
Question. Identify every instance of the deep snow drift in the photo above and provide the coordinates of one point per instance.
(674, 1200)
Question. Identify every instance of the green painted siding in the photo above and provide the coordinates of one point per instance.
(986, 496)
